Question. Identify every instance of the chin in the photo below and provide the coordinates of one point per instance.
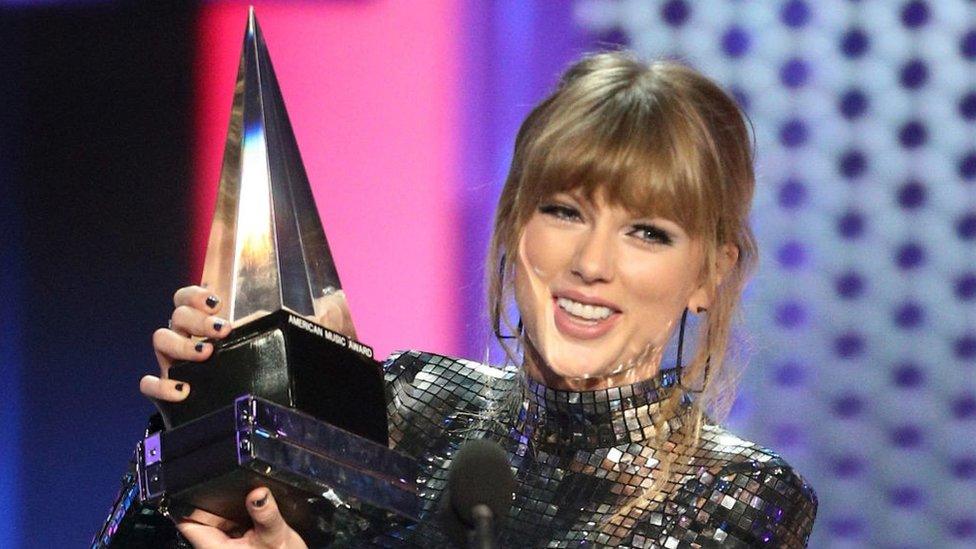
(572, 364)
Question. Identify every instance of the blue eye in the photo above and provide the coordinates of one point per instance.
(561, 211)
(650, 233)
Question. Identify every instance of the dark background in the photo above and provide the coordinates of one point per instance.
(95, 160)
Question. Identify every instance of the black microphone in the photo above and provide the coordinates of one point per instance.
(479, 493)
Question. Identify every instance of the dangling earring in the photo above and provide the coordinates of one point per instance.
(677, 362)
(498, 310)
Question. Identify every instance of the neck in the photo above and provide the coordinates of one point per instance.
(558, 420)
(536, 368)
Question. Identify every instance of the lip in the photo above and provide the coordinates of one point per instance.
(585, 299)
(577, 328)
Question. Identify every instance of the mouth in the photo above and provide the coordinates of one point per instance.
(584, 311)
(582, 317)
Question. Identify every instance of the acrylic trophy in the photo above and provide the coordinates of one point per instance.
(283, 402)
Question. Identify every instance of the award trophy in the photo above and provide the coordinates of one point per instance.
(282, 402)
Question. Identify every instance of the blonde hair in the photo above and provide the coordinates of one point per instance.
(658, 139)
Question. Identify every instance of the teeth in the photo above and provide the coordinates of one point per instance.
(589, 312)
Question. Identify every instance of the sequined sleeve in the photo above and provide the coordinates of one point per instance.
(759, 505)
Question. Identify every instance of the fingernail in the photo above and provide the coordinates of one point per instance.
(199, 347)
(178, 387)
(218, 325)
(212, 301)
(261, 502)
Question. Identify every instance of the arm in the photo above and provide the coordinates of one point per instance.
(763, 504)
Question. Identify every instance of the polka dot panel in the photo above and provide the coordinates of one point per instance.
(863, 314)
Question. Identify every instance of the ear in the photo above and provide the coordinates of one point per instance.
(725, 260)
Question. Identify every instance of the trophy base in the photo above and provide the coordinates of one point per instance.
(317, 472)
(286, 359)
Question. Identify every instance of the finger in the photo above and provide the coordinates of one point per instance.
(194, 322)
(159, 337)
(206, 518)
(170, 346)
(331, 317)
(269, 526)
(335, 314)
(170, 390)
(198, 298)
(202, 536)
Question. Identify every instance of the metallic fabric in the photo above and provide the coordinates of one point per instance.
(130, 523)
(582, 462)
(583, 459)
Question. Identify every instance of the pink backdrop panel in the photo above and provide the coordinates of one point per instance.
(372, 91)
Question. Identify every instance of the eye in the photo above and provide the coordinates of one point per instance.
(561, 211)
(652, 234)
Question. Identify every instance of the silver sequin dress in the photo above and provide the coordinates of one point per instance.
(582, 461)
(581, 458)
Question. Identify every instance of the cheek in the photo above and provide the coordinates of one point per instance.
(544, 254)
(543, 251)
(534, 268)
(659, 289)
(523, 291)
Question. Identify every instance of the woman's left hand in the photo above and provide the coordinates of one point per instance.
(270, 531)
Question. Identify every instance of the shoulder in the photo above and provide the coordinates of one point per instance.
(406, 366)
(750, 493)
(429, 394)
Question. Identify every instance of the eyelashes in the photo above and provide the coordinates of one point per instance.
(650, 233)
(643, 231)
(561, 211)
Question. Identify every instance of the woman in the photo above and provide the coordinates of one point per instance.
(625, 209)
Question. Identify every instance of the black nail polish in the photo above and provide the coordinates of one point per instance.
(178, 386)
(212, 301)
(218, 325)
(261, 502)
(199, 347)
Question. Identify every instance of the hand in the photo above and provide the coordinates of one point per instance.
(270, 531)
(335, 313)
(194, 317)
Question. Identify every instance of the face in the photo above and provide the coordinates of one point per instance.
(600, 290)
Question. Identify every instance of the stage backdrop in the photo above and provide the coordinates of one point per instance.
(860, 325)
(862, 318)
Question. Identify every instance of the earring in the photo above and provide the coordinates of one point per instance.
(500, 335)
(498, 305)
(677, 362)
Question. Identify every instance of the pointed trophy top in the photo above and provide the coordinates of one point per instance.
(267, 249)
(252, 22)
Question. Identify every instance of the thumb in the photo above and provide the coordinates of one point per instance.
(270, 527)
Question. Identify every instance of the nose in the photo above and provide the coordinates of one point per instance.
(593, 260)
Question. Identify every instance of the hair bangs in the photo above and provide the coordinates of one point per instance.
(635, 155)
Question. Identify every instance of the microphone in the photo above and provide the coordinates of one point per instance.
(479, 493)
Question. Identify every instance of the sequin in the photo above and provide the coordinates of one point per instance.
(581, 459)
(583, 462)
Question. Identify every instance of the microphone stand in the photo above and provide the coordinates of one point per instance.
(481, 537)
